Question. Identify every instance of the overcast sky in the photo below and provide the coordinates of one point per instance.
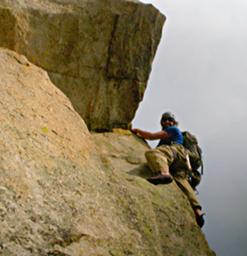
(199, 74)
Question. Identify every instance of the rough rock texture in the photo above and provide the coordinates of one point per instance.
(60, 194)
(99, 52)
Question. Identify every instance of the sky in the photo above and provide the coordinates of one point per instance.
(199, 74)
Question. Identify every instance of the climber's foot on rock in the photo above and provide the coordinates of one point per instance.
(160, 179)
(200, 219)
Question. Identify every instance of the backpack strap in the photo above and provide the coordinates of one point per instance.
(202, 168)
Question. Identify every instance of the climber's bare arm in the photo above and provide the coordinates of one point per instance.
(150, 135)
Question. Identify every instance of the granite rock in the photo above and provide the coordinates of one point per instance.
(98, 52)
(60, 191)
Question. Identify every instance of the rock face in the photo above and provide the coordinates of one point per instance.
(98, 52)
(62, 191)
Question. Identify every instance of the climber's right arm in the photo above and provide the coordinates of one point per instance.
(150, 135)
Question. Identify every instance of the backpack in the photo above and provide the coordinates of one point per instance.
(195, 155)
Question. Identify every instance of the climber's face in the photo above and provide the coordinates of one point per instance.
(167, 122)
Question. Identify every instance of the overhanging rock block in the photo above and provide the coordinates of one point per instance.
(98, 52)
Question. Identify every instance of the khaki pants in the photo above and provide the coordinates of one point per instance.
(174, 159)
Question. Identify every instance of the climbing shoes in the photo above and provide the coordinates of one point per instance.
(160, 179)
(200, 219)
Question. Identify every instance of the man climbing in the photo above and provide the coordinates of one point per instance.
(170, 160)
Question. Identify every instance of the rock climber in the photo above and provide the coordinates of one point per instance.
(170, 160)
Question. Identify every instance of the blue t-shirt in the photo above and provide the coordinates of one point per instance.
(176, 136)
